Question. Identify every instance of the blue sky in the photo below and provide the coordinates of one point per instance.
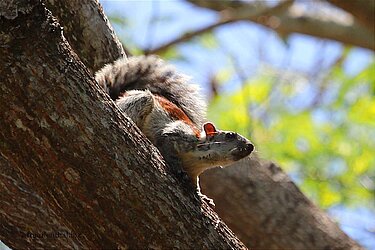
(303, 54)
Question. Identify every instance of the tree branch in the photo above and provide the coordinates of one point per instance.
(273, 212)
(226, 18)
(362, 10)
(186, 37)
(81, 21)
(295, 20)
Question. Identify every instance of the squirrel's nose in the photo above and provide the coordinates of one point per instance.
(249, 147)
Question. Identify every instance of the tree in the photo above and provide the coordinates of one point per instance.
(110, 187)
(75, 171)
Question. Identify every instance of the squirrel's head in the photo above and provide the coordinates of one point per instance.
(215, 148)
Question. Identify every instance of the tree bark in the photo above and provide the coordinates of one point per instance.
(82, 19)
(75, 172)
(266, 210)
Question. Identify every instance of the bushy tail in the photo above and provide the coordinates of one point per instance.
(152, 73)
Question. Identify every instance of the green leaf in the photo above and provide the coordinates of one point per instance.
(329, 144)
(209, 41)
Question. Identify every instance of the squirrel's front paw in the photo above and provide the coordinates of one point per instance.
(206, 199)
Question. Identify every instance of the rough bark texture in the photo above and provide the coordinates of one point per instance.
(82, 19)
(266, 210)
(74, 171)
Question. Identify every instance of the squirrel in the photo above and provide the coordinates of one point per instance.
(171, 114)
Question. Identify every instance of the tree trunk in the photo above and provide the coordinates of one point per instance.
(75, 172)
(273, 212)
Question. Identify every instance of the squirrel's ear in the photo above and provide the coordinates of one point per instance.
(209, 128)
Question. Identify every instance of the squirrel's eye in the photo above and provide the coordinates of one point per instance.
(230, 135)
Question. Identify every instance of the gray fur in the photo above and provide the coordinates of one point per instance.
(152, 73)
(137, 105)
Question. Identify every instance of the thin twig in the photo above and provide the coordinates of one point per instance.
(187, 36)
(228, 16)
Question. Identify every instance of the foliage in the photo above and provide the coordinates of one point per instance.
(322, 133)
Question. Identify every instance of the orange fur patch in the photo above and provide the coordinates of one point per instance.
(177, 113)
